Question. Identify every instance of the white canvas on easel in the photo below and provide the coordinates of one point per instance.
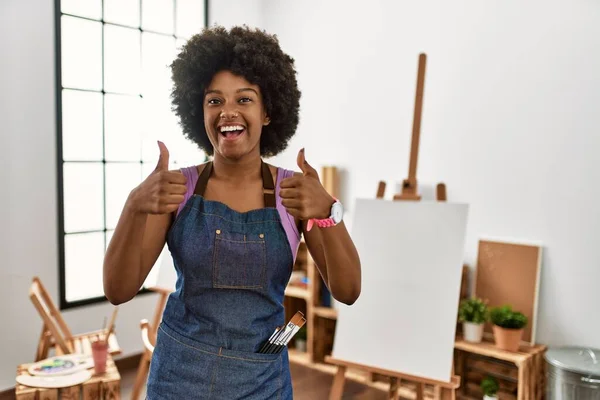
(412, 255)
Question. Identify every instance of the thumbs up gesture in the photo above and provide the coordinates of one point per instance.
(162, 191)
(303, 195)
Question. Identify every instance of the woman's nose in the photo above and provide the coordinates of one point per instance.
(228, 113)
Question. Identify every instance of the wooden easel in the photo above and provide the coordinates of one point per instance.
(409, 185)
(441, 390)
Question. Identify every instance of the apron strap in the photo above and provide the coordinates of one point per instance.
(268, 185)
(203, 179)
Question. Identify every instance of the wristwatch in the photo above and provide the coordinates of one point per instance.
(336, 216)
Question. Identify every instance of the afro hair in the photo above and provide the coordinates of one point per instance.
(250, 53)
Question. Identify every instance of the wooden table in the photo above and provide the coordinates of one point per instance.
(529, 361)
(99, 387)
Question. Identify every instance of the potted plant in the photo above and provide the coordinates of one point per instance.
(473, 313)
(489, 386)
(300, 339)
(508, 327)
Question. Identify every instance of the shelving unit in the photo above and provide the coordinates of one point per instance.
(521, 374)
(320, 319)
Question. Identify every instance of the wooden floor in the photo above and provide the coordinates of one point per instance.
(308, 384)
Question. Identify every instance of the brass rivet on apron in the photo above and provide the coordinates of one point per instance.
(262, 235)
(218, 231)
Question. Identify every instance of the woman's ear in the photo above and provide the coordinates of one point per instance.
(267, 121)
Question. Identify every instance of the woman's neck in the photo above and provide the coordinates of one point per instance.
(242, 170)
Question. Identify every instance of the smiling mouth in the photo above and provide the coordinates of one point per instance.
(231, 132)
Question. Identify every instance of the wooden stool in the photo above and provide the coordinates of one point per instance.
(99, 387)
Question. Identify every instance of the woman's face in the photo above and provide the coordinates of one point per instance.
(233, 115)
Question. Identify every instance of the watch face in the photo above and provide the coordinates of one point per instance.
(337, 212)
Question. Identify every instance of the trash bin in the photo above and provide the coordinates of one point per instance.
(572, 373)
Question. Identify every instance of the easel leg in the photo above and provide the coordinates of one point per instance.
(394, 386)
(437, 392)
(337, 389)
(43, 345)
(419, 391)
(448, 394)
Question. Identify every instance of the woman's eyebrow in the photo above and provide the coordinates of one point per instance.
(216, 91)
(247, 89)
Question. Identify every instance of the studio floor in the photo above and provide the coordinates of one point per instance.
(309, 384)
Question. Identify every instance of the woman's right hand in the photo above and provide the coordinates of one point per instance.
(162, 191)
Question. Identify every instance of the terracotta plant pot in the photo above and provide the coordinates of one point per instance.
(507, 339)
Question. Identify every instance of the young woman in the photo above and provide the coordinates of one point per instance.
(232, 225)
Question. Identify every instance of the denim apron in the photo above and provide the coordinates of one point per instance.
(232, 271)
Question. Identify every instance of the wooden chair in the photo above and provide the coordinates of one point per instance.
(57, 335)
(149, 332)
(144, 366)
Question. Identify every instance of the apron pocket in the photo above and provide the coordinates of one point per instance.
(239, 260)
(248, 376)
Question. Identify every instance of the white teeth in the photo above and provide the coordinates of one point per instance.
(231, 128)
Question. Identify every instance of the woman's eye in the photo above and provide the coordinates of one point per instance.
(213, 101)
(245, 100)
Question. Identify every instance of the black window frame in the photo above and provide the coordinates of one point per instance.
(63, 303)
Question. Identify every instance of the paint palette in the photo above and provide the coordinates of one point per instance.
(61, 365)
(59, 381)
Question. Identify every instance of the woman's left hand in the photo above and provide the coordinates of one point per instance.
(303, 195)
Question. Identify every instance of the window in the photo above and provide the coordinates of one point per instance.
(113, 103)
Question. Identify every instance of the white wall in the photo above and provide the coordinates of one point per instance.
(510, 121)
(236, 12)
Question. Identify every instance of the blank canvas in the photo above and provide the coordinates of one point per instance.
(405, 318)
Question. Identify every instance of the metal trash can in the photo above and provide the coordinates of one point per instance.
(572, 373)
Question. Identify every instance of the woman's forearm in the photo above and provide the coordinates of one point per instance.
(123, 258)
(342, 264)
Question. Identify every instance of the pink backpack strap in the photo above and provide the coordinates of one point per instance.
(191, 174)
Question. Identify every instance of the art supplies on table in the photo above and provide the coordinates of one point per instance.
(61, 365)
(280, 338)
(58, 381)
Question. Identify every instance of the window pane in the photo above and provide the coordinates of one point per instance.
(179, 45)
(109, 235)
(190, 17)
(124, 12)
(85, 8)
(83, 194)
(121, 59)
(159, 123)
(84, 256)
(121, 179)
(158, 52)
(188, 153)
(157, 15)
(81, 48)
(81, 125)
(122, 133)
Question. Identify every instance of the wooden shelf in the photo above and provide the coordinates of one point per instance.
(520, 374)
(297, 292)
(489, 349)
(326, 312)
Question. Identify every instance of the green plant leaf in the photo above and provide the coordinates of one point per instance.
(505, 317)
(473, 310)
